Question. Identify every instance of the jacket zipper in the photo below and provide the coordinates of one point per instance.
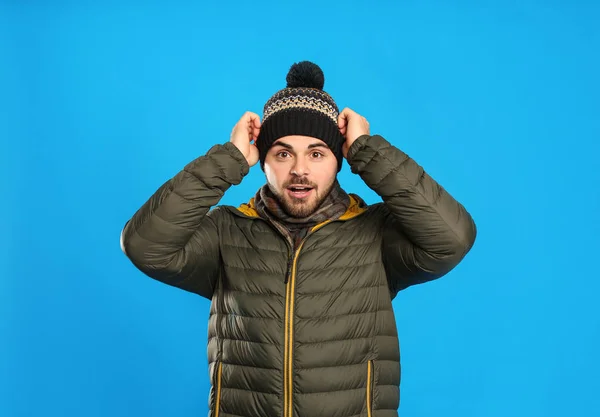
(289, 326)
(289, 323)
(218, 399)
(369, 399)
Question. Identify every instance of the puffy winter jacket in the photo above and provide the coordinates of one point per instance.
(309, 333)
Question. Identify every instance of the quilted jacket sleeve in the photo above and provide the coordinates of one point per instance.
(174, 237)
(426, 231)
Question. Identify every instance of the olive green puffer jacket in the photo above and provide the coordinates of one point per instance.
(309, 333)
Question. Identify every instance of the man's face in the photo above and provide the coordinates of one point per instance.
(300, 171)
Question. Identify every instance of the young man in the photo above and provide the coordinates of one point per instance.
(302, 276)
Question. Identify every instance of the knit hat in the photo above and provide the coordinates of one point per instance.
(302, 108)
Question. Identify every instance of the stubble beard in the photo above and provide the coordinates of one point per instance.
(298, 207)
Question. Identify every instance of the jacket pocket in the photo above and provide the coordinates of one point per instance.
(217, 387)
(369, 390)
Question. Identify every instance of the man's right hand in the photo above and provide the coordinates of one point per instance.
(244, 136)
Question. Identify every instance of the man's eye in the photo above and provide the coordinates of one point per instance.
(282, 154)
(317, 154)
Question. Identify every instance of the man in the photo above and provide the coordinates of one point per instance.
(303, 275)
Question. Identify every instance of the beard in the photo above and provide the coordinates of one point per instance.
(300, 207)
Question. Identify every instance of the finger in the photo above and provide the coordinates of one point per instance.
(253, 118)
(250, 115)
(348, 115)
(253, 125)
(249, 118)
(342, 120)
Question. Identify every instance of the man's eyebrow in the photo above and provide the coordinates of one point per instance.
(291, 148)
(283, 144)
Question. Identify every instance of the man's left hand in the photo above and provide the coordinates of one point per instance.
(352, 126)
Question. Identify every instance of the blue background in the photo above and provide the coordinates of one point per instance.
(100, 104)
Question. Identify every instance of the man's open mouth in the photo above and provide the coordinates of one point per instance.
(299, 191)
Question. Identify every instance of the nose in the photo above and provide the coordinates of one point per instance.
(300, 167)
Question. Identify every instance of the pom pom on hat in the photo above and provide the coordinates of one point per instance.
(305, 74)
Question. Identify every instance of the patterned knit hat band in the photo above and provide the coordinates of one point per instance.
(302, 98)
(302, 108)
